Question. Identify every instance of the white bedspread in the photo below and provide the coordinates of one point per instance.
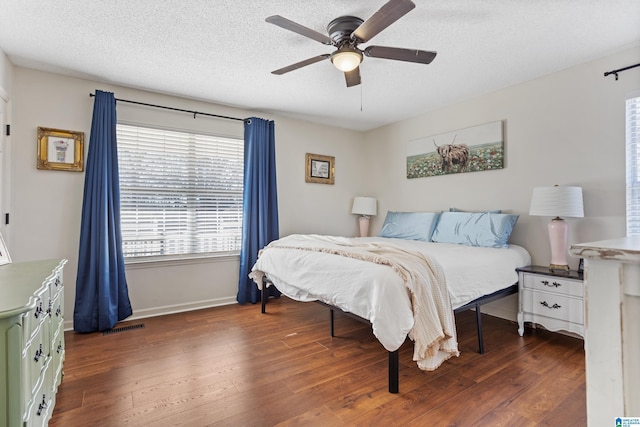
(377, 293)
(471, 272)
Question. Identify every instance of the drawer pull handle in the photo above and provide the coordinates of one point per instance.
(50, 309)
(57, 283)
(546, 304)
(59, 348)
(39, 354)
(38, 311)
(43, 405)
(58, 311)
(552, 285)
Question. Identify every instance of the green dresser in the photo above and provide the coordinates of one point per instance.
(31, 341)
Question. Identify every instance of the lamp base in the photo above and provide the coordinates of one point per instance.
(364, 226)
(553, 267)
(558, 231)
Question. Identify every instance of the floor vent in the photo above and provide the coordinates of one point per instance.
(123, 328)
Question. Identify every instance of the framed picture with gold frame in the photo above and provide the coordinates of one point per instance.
(319, 169)
(60, 150)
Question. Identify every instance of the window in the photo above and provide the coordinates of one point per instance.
(633, 165)
(180, 193)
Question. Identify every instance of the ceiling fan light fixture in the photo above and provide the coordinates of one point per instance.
(346, 58)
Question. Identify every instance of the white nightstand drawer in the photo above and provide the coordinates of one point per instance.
(553, 305)
(558, 285)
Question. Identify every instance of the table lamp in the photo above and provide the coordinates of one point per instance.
(557, 201)
(366, 207)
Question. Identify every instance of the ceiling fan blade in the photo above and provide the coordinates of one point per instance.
(301, 64)
(400, 54)
(297, 28)
(352, 77)
(385, 16)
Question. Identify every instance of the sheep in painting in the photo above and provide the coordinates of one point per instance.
(452, 154)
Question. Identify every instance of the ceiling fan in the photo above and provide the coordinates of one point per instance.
(347, 32)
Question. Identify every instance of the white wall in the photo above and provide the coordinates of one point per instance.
(566, 128)
(47, 205)
(318, 208)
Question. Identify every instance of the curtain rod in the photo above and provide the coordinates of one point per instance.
(619, 70)
(176, 109)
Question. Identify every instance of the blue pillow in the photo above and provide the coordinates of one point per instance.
(409, 225)
(485, 229)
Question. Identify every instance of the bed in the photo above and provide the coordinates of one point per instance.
(382, 279)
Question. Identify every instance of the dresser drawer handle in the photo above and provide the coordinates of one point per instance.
(43, 405)
(546, 304)
(38, 311)
(58, 311)
(59, 348)
(552, 285)
(39, 354)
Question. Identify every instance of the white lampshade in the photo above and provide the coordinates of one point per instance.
(365, 206)
(346, 58)
(557, 201)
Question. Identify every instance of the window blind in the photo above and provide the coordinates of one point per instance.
(633, 165)
(180, 192)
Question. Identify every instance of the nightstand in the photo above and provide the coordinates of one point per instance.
(553, 299)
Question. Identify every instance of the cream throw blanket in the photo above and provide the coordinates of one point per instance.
(433, 332)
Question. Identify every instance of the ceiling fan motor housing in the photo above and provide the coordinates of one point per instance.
(340, 29)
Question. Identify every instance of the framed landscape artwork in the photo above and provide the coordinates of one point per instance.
(473, 149)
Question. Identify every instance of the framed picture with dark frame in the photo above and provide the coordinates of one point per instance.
(319, 169)
(60, 150)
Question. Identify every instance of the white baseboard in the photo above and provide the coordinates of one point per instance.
(169, 309)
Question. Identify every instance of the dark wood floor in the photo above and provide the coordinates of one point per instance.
(234, 366)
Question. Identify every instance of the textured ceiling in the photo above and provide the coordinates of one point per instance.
(224, 51)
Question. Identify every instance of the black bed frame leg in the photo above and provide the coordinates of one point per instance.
(264, 295)
(394, 371)
(479, 327)
(331, 318)
(394, 359)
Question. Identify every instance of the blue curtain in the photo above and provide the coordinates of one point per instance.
(260, 203)
(102, 297)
